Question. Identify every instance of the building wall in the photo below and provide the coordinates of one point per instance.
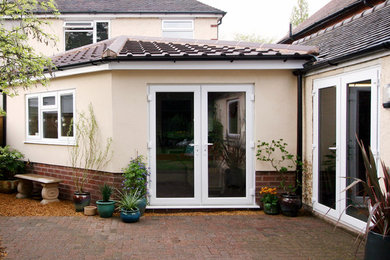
(204, 28)
(120, 103)
(384, 114)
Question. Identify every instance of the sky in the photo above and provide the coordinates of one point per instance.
(267, 18)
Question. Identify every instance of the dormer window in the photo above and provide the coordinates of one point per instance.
(80, 33)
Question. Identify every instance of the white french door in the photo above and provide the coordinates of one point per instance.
(344, 106)
(201, 146)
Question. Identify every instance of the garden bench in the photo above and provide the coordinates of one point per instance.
(49, 187)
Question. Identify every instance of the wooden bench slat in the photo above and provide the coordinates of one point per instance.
(38, 178)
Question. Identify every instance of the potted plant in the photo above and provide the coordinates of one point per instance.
(377, 194)
(105, 206)
(87, 155)
(270, 200)
(11, 163)
(233, 154)
(127, 204)
(136, 178)
(290, 202)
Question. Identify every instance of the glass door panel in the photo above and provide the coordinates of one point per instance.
(327, 147)
(175, 145)
(226, 144)
(358, 124)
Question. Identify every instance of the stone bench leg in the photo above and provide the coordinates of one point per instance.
(49, 193)
(25, 188)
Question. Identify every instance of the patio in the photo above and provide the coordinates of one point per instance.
(250, 236)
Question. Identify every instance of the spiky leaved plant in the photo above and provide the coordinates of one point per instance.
(106, 191)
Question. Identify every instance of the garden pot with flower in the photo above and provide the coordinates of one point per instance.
(290, 202)
(270, 200)
(11, 163)
(136, 178)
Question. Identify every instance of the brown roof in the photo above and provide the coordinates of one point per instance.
(362, 34)
(154, 48)
(133, 6)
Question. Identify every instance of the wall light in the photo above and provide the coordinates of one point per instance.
(386, 96)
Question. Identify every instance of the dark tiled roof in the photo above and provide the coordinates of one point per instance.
(134, 6)
(153, 48)
(367, 31)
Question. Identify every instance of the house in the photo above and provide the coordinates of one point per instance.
(83, 22)
(343, 95)
(176, 101)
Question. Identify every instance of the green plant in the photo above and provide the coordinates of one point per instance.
(11, 163)
(128, 200)
(136, 176)
(281, 160)
(378, 196)
(106, 191)
(269, 195)
(88, 154)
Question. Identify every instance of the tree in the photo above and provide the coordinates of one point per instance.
(251, 38)
(19, 64)
(299, 13)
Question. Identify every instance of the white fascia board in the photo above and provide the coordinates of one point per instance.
(186, 65)
(113, 16)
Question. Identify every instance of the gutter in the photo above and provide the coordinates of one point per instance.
(335, 61)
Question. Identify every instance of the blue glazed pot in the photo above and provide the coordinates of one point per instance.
(105, 208)
(130, 216)
(141, 205)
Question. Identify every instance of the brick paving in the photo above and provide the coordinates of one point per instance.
(176, 237)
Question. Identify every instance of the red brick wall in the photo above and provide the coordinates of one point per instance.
(272, 180)
(67, 187)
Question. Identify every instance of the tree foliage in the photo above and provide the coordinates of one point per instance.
(20, 65)
(251, 38)
(299, 13)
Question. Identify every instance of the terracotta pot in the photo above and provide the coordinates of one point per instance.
(290, 204)
(8, 186)
(90, 210)
(81, 199)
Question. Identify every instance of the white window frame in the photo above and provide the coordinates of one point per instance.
(167, 29)
(61, 140)
(92, 25)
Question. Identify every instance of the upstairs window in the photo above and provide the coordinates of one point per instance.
(50, 117)
(78, 34)
(178, 29)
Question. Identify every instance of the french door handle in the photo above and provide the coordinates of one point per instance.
(193, 145)
(333, 148)
(209, 144)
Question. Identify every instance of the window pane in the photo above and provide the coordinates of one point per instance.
(177, 24)
(50, 124)
(33, 116)
(233, 117)
(101, 31)
(49, 101)
(185, 35)
(77, 39)
(67, 115)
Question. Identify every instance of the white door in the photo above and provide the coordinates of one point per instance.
(345, 106)
(201, 146)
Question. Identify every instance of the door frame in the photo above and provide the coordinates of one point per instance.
(201, 199)
(341, 82)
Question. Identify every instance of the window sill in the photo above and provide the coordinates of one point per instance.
(51, 142)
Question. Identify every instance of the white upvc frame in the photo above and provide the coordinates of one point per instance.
(92, 25)
(201, 199)
(164, 28)
(153, 89)
(39, 139)
(341, 82)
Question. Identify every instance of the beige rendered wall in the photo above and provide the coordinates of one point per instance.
(275, 109)
(90, 88)
(384, 114)
(205, 29)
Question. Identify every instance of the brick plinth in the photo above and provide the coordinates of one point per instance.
(272, 180)
(67, 187)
